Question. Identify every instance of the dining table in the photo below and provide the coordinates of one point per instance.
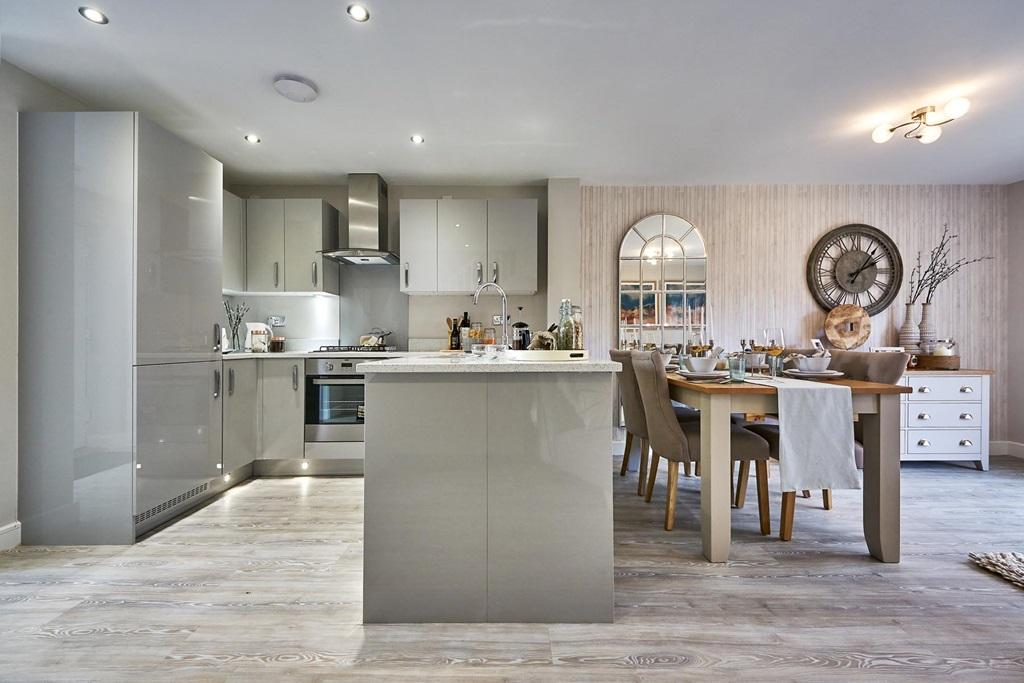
(876, 406)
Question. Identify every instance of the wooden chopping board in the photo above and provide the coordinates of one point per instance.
(847, 326)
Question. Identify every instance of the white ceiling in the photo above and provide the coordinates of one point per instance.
(631, 92)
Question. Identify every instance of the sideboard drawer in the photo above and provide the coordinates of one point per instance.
(954, 415)
(954, 388)
(966, 441)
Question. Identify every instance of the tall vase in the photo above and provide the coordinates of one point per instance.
(910, 337)
(927, 327)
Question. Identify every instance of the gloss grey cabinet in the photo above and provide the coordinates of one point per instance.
(120, 267)
(264, 245)
(241, 413)
(234, 242)
(418, 227)
(461, 244)
(283, 408)
(284, 238)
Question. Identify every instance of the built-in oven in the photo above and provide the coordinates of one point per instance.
(335, 398)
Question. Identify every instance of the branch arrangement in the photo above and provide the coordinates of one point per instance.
(926, 280)
(235, 315)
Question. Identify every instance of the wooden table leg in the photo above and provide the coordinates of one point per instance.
(716, 471)
(882, 479)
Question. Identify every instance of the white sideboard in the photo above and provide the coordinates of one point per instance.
(947, 416)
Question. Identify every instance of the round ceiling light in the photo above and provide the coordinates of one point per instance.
(417, 139)
(358, 13)
(94, 15)
(296, 88)
(253, 139)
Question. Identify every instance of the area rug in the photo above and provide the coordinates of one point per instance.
(1010, 566)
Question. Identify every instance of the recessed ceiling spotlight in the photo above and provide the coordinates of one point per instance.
(94, 15)
(358, 13)
(296, 88)
(253, 139)
(417, 139)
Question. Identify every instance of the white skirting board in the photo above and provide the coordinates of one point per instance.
(10, 536)
(1013, 448)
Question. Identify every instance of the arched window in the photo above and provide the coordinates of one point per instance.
(662, 284)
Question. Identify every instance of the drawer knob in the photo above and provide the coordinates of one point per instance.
(966, 390)
(924, 442)
(966, 416)
(924, 390)
(966, 442)
(924, 416)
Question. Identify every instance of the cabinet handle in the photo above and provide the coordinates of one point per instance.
(216, 337)
(216, 383)
(924, 390)
(966, 416)
(479, 273)
(231, 381)
(966, 390)
(924, 416)
(314, 273)
(276, 269)
(924, 442)
(407, 275)
(494, 272)
(966, 442)
(295, 377)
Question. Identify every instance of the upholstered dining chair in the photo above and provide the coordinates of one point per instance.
(679, 441)
(884, 368)
(636, 422)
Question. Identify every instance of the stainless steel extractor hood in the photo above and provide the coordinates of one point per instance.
(364, 241)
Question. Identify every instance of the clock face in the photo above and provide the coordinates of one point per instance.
(855, 264)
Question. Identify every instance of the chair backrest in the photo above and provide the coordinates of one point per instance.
(885, 368)
(666, 436)
(632, 404)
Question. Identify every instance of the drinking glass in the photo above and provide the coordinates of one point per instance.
(774, 343)
(737, 368)
(698, 344)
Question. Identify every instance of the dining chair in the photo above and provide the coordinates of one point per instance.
(636, 422)
(884, 368)
(679, 441)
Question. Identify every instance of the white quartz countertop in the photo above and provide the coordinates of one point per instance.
(436, 363)
(242, 355)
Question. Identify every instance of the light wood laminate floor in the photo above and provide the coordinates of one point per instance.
(264, 584)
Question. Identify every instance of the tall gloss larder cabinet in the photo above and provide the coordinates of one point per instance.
(119, 323)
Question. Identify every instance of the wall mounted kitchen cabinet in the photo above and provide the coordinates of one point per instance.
(284, 414)
(234, 243)
(241, 413)
(284, 238)
(120, 277)
(451, 246)
(418, 225)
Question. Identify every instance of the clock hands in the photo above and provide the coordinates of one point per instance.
(868, 262)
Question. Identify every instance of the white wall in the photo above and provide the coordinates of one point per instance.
(19, 91)
(565, 258)
(1015, 316)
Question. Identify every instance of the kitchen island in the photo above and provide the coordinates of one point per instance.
(488, 493)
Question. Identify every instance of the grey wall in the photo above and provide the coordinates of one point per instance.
(1015, 315)
(19, 91)
(565, 260)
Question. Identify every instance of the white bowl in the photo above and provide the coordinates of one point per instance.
(812, 364)
(701, 364)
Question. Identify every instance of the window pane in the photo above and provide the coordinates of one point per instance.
(696, 273)
(676, 226)
(632, 243)
(649, 227)
(693, 245)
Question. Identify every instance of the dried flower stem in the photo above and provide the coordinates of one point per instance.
(925, 281)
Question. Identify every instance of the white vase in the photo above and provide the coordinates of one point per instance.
(910, 336)
(927, 327)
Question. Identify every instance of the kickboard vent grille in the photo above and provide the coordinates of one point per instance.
(167, 504)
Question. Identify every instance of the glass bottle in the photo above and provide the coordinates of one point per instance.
(565, 333)
(577, 328)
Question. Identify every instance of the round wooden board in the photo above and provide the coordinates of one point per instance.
(847, 326)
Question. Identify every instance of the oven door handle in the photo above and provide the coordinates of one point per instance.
(331, 382)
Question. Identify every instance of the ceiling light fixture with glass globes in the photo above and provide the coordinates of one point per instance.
(926, 122)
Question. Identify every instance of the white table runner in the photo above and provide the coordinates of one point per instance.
(815, 435)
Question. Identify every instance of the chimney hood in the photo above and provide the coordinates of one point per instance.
(364, 241)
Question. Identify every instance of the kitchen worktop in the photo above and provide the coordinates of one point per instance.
(240, 355)
(464, 363)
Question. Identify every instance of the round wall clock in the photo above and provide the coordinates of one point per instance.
(855, 264)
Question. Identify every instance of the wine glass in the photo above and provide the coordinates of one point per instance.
(774, 343)
(698, 343)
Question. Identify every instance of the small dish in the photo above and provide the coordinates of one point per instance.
(714, 374)
(805, 374)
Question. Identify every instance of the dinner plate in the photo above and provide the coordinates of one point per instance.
(714, 374)
(807, 374)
